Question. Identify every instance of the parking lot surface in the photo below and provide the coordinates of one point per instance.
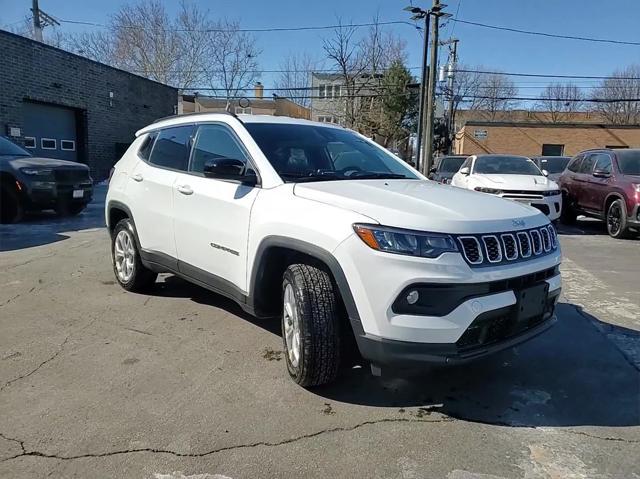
(97, 382)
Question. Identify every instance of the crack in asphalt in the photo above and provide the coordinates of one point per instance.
(11, 439)
(34, 370)
(221, 449)
(602, 438)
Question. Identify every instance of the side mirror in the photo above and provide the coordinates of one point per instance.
(601, 173)
(229, 169)
(545, 172)
(465, 171)
(433, 169)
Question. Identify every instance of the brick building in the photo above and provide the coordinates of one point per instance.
(536, 133)
(61, 105)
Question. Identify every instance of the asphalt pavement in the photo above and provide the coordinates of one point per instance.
(98, 382)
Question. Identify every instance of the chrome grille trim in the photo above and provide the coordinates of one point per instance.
(510, 238)
(553, 235)
(496, 244)
(478, 249)
(536, 242)
(546, 240)
(523, 238)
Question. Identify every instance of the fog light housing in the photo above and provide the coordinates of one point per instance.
(413, 296)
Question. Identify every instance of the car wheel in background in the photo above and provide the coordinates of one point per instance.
(127, 266)
(310, 325)
(617, 219)
(11, 209)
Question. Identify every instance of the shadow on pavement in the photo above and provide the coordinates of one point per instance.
(46, 227)
(569, 376)
(586, 227)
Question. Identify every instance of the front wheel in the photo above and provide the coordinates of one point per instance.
(11, 209)
(310, 325)
(131, 274)
(617, 220)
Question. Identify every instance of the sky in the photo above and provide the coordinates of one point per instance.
(495, 50)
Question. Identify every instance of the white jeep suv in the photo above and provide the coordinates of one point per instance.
(315, 224)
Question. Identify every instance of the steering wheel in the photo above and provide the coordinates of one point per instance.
(353, 169)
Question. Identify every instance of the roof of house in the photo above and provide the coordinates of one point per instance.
(531, 124)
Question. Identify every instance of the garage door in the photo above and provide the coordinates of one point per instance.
(50, 131)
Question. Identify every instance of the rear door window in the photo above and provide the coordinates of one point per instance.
(586, 167)
(171, 149)
(575, 164)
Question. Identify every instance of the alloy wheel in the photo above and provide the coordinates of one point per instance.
(124, 256)
(291, 323)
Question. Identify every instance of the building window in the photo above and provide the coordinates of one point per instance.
(67, 145)
(326, 119)
(243, 111)
(48, 143)
(616, 147)
(29, 142)
(549, 149)
(321, 91)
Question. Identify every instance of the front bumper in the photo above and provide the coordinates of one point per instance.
(551, 206)
(476, 322)
(47, 195)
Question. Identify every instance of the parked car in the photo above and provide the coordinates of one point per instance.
(446, 168)
(33, 184)
(512, 177)
(320, 227)
(553, 165)
(604, 184)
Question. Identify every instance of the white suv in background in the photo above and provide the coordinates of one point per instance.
(511, 177)
(314, 224)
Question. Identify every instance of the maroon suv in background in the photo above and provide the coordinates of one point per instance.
(604, 184)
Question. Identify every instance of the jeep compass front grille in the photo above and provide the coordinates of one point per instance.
(500, 248)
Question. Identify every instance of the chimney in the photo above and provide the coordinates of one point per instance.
(259, 90)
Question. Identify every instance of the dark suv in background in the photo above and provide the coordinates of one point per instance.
(446, 167)
(604, 184)
(33, 184)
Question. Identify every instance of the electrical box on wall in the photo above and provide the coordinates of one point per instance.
(13, 131)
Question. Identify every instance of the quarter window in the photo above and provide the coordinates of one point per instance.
(147, 144)
(214, 141)
(171, 149)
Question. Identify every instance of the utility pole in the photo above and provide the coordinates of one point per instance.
(426, 15)
(436, 13)
(37, 26)
(40, 20)
(453, 59)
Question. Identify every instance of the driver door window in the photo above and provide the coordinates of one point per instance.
(213, 142)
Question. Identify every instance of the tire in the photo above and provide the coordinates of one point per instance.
(568, 214)
(617, 220)
(70, 209)
(309, 300)
(130, 273)
(11, 208)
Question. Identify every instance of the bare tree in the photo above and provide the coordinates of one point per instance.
(496, 93)
(51, 35)
(294, 81)
(560, 100)
(620, 93)
(233, 59)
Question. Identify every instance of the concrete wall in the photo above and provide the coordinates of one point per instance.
(527, 139)
(35, 72)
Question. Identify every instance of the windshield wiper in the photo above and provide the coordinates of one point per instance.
(312, 176)
(370, 175)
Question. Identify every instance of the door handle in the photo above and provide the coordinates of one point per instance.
(137, 177)
(185, 189)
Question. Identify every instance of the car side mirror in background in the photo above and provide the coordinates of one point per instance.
(229, 169)
(545, 172)
(433, 169)
(601, 173)
(465, 171)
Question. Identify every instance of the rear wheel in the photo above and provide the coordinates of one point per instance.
(11, 209)
(617, 219)
(127, 266)
(310, 325)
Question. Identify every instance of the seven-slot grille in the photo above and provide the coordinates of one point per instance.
(489, 249)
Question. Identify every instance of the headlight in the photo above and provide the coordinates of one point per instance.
(551, 193)
(36, 171)
(491, 191)
(411, 243)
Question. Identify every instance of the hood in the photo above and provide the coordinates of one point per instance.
(31, 162)
(516, 182)
(423, 205)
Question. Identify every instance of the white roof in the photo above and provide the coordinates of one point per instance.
(225, 117)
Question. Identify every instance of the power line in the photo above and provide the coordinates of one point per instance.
(545, 34)
(251, 30)
(541, 75)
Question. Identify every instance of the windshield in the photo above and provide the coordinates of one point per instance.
(318, 153)
(505, 165)
(8, 148)
(629, 162)
(451, 164)
(554, 164)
